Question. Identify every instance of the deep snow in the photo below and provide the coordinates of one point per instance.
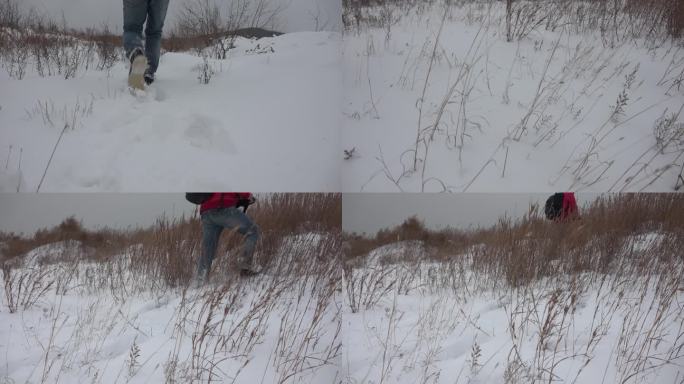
(494, 116)
(268, 120)
(395, 317)
(98, 324)
(426, 322)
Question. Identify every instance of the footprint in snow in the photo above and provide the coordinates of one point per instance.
(208, 133)
(159, 93)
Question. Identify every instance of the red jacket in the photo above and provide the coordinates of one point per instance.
(569, 206)
(223, 200)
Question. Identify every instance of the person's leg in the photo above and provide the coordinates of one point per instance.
(251, 233)
(135, 13)
(156, 12)
(210, 236)
(235, 219)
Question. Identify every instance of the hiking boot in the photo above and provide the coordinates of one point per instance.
(137, 70)
(149, 77)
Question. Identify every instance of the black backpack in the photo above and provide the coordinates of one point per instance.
(198, 197)
(554, 206)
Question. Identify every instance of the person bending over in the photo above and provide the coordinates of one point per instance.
(220, 211)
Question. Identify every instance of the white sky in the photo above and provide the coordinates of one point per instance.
(27, 212)
(297, 15)
(371, 212)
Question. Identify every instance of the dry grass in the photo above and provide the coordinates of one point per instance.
(518, 252)
(103, 241)
(29, 39)
(612, 18)
(166, 253)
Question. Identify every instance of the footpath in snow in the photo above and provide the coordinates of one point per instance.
(268, 117)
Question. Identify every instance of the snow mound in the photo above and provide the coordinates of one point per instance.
(67, 250)
(301, 247)
(407, 250)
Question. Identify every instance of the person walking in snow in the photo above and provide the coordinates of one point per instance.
(561, 207)
(144, 59)
(219, 211)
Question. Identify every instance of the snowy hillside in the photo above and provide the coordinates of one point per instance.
(101, 322)
(449, 322)
(253, 121)
(439, 99)
(395, 252)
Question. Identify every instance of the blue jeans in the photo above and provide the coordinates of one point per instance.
(135, 14)
(213, 223)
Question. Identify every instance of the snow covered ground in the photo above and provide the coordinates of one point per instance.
(426, 322)
(95, 322)
(439, 100)
(396, 317)
(268, 119)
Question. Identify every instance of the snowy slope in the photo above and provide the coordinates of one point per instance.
(98, 322)
(267, 120)
(541, 114)
(411, 322)
(440, 339)
(96, 337)
(429, 324)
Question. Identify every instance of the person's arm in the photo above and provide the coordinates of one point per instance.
(245, 199)
(248, 196)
